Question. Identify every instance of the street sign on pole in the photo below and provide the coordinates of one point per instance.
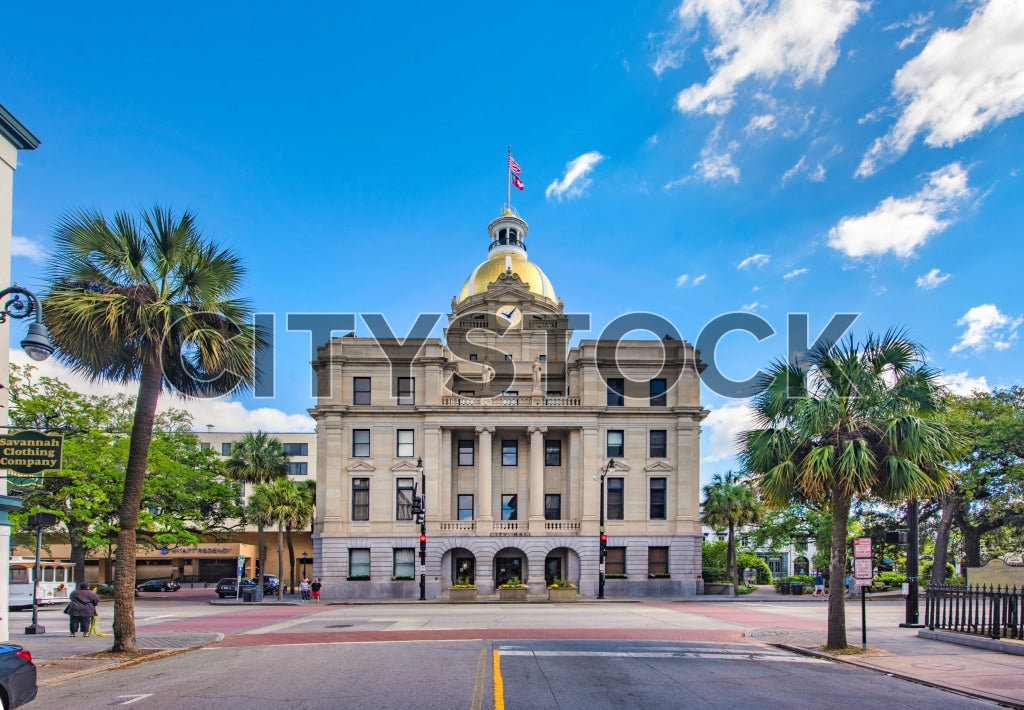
(862, 547)
(862, 570)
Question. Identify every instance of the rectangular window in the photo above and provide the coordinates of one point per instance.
(553, 452)
(403, 499)
(296, 449)
(405, 563)
(360, 390)
(658, 446)
(658, 397)
(615, 561)
(616, 391)
(542, 358)
(616, 445)
(509, 452)
(359, 563)
(658, 499)
(465, 506)
(552, 506)
(225, 449)
(616, 501)
(509, 507)
(406, 440)
(657, 561)
(360, 498)
(472, 357)
(407, 390)
(298, 468)
(205, 446)
(361, 443)
(465, 452)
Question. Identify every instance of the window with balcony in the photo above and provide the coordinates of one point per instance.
(465, 501)
(510, 507)
(552, 506)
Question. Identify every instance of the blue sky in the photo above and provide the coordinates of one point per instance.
(688, 159)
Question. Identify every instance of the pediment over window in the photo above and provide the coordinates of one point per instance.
(658, 466)
(620, 467)
(360, 466)
(404, 465)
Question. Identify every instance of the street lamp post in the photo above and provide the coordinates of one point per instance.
(38, 521)
(912, 619)
(303, 560)
(37, 343)
(604, 536)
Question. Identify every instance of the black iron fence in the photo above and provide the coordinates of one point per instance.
(993, 611)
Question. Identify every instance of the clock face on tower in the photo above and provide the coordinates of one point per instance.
(509, 315)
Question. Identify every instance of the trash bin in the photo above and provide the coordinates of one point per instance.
(256, 594)
(247, 595)
(784, 587)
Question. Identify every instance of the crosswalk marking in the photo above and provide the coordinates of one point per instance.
(716, 655)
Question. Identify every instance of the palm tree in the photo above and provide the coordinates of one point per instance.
(730, 502)
(257, 458)
(847, 421)
(308, 491)
(146, 300)
(280, 502)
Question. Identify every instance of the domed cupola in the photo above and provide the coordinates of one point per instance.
(507, 254)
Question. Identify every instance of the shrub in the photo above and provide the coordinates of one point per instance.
(562, 583)
(926, 571)
(749, 559)
(512, 583)
(891, 580)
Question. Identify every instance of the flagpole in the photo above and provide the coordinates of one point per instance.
(508, 184)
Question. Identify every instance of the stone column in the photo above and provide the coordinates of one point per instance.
(537, 472)
(484, 498)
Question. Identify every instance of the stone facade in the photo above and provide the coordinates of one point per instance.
(515, 431)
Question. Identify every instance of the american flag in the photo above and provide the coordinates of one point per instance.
(514, 166)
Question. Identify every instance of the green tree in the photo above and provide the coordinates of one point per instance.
(730, 502)
(989, 492)
(257, 458)
(282, 503)
(308, 490)
(844, 421)
(146, 300)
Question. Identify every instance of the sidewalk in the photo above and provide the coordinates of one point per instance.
(984, 668)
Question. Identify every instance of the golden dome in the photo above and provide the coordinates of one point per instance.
(488, 272)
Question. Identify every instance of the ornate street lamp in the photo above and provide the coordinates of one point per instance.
(420, 510)
(37, 343)
(604, 536)
(303, 560)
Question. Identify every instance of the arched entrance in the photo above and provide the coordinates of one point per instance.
(561, 563)
(508, 563)
(801, 565)
(463, 566)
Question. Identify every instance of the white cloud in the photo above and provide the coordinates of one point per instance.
(986, 326)
(716, 164)
(962, 82)
(685, 280)
(576, 180)
(901, 225)
(765, 122)
(22, 246)
(751, 307)
(757, 260)
(959, 383)
(933, 279)
(222, 413)
(794, 273)
(798, 38)
(724, 425)
(814, 174)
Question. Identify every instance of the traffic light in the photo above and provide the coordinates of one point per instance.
(604, 546)
(423, 539)
(417, 504)
(896, 537)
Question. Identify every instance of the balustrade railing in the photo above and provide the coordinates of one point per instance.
(510, 401)
(993, 611)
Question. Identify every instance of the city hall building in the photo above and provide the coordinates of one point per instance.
(517, 433)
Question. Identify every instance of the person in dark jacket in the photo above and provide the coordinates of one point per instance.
(82, 608)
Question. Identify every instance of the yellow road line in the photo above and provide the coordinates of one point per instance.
(481, 681)
(499, 687)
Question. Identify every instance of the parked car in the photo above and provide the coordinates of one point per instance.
(226, 587)
(270, 584)
(159, 585)
(17, 676)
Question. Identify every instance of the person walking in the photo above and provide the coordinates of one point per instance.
(304, 589)
(81, 608)
(314, 588)
(819, 584)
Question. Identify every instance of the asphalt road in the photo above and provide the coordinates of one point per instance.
(590, 675)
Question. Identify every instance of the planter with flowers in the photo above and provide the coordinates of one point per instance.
(513, 590)
(462, 591)
(562, 590)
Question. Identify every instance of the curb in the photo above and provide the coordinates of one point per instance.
(978, 695)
